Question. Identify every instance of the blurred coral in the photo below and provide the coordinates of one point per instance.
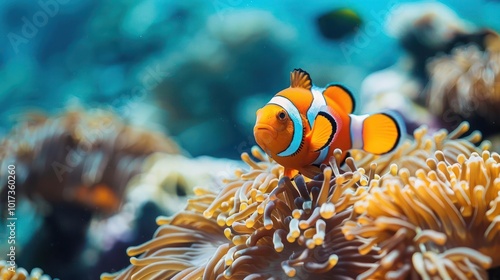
(75, 169)
(465, 85)
(425, 29)
(432, 24)
(448, 67)
(80, 157)
(395, 89)
(21, 273)
(167, 179)
(165, 184)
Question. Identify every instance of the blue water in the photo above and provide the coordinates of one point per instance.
(92, 53)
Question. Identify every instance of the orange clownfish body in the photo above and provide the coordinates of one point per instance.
(302, 125)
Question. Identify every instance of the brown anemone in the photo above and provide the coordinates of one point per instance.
(82, 157)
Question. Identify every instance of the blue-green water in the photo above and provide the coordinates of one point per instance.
(105, 53)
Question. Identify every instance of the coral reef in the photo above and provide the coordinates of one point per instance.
(465, 85)
(425, 29)
(167, 179)
(21, 273)
(80, 157)
(259, 224)
(447, 74)
(75, 168)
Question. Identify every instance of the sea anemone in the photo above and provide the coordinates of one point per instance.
(442, 223)
(465, 85)
(292, 229)
(182, 247)
(197, 243)
(20, 273)
(259, 224)
(80, 157)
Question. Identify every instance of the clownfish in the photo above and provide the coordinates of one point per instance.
(302, 125)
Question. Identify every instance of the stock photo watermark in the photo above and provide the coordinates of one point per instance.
(154, 75)
(76, 155)
(11, 217)
(468, 109)
(223, 7)
(124, 105)
(31, 25)
(370, 30)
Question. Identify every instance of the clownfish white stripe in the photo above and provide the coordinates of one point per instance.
(322, 156)
(357, 130)
(298, 130)
(317, 102)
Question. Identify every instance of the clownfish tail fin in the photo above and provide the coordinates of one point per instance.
(382, 132)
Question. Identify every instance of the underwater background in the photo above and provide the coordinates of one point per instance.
(114, 111)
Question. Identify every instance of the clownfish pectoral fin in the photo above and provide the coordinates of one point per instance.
(300, 79)
(323, 131)
(310, 171)
(290, 173)
(342, 96)
(382, 133)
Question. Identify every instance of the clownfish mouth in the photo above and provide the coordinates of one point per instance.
(264, 134)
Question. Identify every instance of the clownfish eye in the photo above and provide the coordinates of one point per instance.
(281, 115)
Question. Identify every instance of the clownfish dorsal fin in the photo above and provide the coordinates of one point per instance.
(342, 96)
(300, 79)
(323, 131)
